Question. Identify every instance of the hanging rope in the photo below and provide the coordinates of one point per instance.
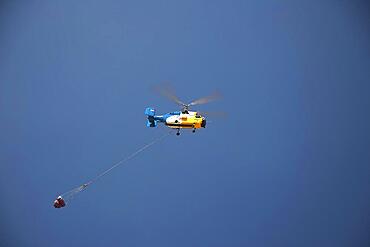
(70, 194)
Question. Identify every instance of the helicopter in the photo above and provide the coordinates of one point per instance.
(182, 119)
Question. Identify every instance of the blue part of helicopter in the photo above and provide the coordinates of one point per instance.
(153, 119)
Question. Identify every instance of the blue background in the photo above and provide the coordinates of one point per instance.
(289, 166)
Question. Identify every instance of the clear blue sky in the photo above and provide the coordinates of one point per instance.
(288, 167)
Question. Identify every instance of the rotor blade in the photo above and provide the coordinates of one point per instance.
(207, 99)
(213, 114)
(167, 91)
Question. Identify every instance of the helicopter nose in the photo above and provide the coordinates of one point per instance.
(203, 124)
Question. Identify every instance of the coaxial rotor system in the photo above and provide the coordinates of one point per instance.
(167, 91)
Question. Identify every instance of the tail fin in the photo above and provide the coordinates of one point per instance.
(150, 112)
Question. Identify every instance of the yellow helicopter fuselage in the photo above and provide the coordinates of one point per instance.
(187, 120)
